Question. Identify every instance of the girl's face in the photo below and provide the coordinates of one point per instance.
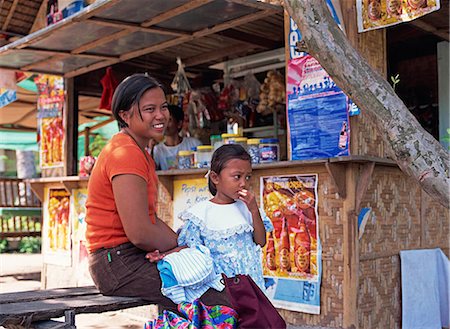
(172, 127)
(233, 178)
(155, 114)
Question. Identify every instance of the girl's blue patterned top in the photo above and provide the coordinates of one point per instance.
(227, 231)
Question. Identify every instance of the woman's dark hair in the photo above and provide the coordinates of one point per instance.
(176, 113)
(220, 158)
(129, 92)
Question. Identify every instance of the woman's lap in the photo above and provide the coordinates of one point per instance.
(124, 271)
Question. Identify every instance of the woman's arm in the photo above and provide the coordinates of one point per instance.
(130, 195)
(259, 231)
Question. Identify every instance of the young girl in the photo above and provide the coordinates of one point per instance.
(230, 224)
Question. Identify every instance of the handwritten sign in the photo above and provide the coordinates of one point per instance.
(187, 193)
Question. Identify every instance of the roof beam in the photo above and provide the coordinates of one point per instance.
(249, 38)
(136, 27)
(430, 29)
(39, 16)
(44, 61)
(10, 14)
(63, 53)
(259, 5)
(216, 54)
(198, 34)
(190, 5)
(101, 41)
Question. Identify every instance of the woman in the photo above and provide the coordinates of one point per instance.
(122, 226)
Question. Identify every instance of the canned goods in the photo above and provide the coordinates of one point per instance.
(269, 150)
(253, 149)
(184, 159)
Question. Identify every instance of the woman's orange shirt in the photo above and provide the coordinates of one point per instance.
(120, 156)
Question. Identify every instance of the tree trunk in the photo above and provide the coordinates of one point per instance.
(416, 152)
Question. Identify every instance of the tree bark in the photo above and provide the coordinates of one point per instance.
(416, 152)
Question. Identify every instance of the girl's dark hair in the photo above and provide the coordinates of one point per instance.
(129, 93)
(176, 113)
(220, 158)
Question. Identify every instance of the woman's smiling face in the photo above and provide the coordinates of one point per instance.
(152, 121)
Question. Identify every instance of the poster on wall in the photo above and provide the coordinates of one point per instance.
(50, 106)
(375, 14)
(56, 244)
(187, 193)
(317, 112)
(292, 255)
(317, 109)
(79, 250)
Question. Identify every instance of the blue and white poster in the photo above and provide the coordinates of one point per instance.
(317, 109)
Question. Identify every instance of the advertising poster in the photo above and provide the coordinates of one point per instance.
(57, 228)
(317, 109)
(317, 112)
(292, 256)
(375, 14)
(186, 193)
(50, 105)
(79, 250)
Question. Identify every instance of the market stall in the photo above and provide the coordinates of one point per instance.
(342, 218)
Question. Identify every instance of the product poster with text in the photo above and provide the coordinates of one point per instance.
(50, 106)
(57, 228)
(375, 14)
(317, 109)
(187, 193)
(79, 250)
(292, 255)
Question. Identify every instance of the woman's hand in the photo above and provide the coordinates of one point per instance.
(156, 255)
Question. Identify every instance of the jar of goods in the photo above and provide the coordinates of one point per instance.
(229, 138)
(269, 150)
(253, 149)
(241, 141)
(216, 141)
(204, 155)
(184, 159)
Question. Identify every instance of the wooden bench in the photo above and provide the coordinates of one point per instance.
(35, 309)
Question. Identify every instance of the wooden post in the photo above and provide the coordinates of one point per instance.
(351, 250)
(70, 128)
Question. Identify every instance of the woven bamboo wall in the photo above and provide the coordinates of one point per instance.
(331, 234)
(164, 205)
(404, 218)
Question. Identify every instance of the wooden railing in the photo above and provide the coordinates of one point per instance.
(20, 209)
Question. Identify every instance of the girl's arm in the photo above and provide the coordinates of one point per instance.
(259, 231)
(130, 196)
